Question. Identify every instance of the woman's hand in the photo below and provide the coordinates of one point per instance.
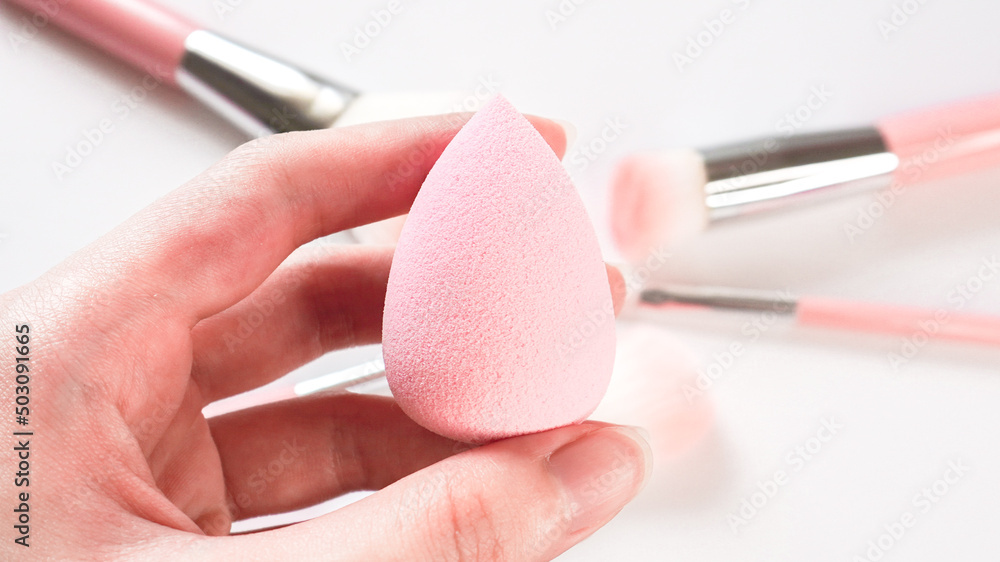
(131, 337)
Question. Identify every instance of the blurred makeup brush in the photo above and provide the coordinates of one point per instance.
(661, 197)
(343, 379)
(838, 314)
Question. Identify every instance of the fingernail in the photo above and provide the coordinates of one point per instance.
(569, 130)
(600, 473)
(642, 431)
(619, 289)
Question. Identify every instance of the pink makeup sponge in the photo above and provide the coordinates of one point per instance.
(498, 314)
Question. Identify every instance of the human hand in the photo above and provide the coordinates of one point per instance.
(131, 337)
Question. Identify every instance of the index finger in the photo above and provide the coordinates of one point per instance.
(207, 245)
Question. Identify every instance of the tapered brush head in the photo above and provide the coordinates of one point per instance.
(498, 314)
(655, 386)
(657, 200)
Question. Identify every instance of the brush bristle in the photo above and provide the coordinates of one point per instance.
(386, 106)
(657, 199)
(654, 385)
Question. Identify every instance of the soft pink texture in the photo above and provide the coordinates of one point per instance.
(657, 200)
(138, 32)
(632, 218)
(901, 320)
(498, 314)
(946, 140)
(655, 386)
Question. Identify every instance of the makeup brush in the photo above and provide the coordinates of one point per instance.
(655, 386)
(257, 93)
(835, 313)
(661, 197)
(344, 379)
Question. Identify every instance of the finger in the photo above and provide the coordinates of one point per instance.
(183, 461)
(207, 245)
(323, 299)
(526, 498)
(553, 133)
(293, 454)
(618, 288)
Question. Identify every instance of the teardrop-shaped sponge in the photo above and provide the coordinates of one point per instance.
(498, 314)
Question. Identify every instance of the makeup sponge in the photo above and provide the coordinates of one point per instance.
(498, 314)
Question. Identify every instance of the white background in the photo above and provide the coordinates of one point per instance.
(901, 426)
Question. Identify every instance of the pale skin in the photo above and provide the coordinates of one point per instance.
(132, 336)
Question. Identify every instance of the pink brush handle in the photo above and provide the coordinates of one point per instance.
(945, 140)
(906, 321)
(138, 32)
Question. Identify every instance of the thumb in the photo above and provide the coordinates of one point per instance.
(525, 498)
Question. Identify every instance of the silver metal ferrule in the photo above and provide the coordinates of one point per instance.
(721, 297)
(259, 94)
(766, 173)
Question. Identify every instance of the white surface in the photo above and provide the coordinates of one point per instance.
(613, 61)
